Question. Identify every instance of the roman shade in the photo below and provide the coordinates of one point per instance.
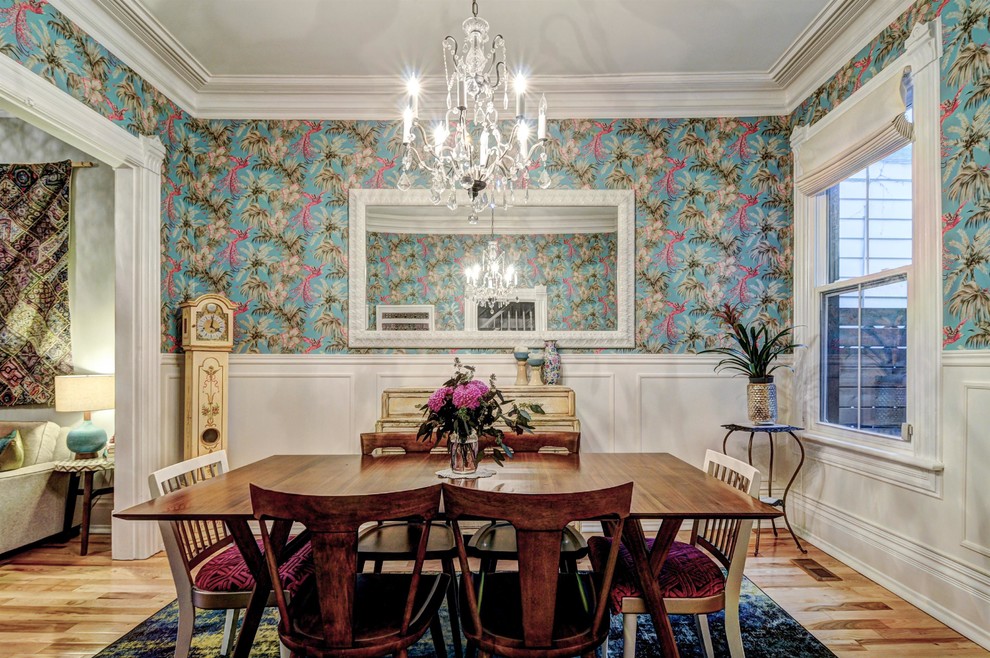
(869, 129)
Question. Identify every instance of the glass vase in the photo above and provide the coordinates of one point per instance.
(463, 454)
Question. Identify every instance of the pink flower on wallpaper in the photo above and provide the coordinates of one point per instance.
(439, 398)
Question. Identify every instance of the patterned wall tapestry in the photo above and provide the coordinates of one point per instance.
(257, 209)
(35, 344)
(577, 269)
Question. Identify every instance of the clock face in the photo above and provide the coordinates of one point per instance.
(211, 324)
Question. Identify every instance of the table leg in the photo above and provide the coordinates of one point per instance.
(773, 523)
(648, 566)
(87, 508)
(783, 500)
(770, 467)
(70, 503)
(725, 440)
(248, 546)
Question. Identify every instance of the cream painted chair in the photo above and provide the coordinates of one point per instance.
(725, 543)
(221, 580)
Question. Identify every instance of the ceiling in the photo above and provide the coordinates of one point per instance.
(551, 37)
(598, 58)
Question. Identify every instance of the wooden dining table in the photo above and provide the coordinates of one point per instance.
(666, 489)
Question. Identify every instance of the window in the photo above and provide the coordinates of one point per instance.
(864, 360)
(867, 272)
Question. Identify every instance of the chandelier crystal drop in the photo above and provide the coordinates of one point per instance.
(470, 149)
(492, 282)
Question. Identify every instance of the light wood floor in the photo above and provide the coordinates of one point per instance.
(55, 603)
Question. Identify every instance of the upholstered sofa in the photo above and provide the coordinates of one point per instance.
(33, 496)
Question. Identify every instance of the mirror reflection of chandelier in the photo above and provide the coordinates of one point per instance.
(493, 282)
(469, 149)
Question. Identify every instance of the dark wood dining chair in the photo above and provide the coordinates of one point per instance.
(537, 610)
(497, 540)
(339, 612)
(691, 579)
(208, 570)
(394, 540)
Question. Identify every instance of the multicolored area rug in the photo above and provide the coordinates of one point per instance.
(768, 632)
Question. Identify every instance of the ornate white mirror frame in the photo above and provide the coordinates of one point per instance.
(360, 336)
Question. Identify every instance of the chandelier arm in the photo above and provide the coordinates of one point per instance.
(499, 69)
(493, 54)
(420, 163)
(452, 44)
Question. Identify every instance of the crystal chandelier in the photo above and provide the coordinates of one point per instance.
(469, 149)
(491, 282)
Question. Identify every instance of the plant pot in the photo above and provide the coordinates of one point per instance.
(463, 454)
(761, 400)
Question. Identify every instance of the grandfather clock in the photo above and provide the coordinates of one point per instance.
(207, 339)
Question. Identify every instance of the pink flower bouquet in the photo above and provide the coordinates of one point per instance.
(464, 406)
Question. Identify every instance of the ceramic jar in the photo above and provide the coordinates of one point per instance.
(551, 363)
(761, 401)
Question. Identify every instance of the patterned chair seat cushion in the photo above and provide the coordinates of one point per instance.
(687, 573)
(227, 571)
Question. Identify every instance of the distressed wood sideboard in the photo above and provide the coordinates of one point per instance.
(401, 413)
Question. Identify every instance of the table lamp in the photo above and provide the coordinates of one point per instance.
(85, 393)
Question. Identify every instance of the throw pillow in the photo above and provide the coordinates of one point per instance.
(11, 452)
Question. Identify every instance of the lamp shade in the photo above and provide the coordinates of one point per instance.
(84, 392)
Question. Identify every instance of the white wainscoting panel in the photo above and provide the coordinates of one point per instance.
(930, 548)
(321, 403)
(594, 393)
(306, 414)
(976, 536)
(705, 401)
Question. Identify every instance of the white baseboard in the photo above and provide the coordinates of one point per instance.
(966, 587)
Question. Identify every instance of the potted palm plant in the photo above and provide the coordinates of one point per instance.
(753, 353)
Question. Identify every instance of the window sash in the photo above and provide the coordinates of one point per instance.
(829, 397)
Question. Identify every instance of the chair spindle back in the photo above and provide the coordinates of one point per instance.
(719, 536)
(197, 540)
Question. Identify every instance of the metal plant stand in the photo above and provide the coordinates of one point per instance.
(770, 499)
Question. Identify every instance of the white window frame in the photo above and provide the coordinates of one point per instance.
(915, 461)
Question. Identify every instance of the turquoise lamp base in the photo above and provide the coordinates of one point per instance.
(87, 440)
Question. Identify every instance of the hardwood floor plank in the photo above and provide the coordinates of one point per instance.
(55, 603)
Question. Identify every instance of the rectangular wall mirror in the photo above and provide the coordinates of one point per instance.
(572, 252)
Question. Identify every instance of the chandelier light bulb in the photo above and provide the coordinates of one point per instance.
(440, 134)
(469, 148)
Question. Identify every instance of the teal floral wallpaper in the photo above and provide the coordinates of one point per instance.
(257, 209)
(578, 270)
(965, 119)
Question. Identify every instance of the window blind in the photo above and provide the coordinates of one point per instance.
(870, 129)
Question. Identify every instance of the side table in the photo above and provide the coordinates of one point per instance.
(770, 499)
(86, 468)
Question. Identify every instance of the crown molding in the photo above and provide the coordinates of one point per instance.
(828, 27)
(840, 30)
(847, 40)
(571, 97)
(131, 33)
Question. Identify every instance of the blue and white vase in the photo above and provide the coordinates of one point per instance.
(551, 363)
